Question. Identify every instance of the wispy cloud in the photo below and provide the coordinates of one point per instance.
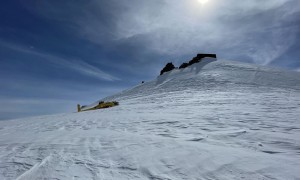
(77, 65)
(259, 30)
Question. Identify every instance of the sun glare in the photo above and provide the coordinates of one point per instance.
(202, 1)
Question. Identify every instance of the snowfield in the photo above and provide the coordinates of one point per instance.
(213, 120)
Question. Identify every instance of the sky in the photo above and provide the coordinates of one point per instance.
(55, 54)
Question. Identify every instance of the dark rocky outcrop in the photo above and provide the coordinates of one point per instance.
(183, 65)
(194, 60)
(197, 59)
(167, 68)
(206, 55)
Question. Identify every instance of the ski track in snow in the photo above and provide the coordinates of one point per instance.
(218, 120)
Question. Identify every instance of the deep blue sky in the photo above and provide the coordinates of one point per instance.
(55, 54)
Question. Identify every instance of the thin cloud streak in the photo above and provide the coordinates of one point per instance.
(77, 65)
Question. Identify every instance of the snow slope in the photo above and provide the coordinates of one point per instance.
(213, 120)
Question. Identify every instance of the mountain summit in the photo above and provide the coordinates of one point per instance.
(214, 75)
(212, 120)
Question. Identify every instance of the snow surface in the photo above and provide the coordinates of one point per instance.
(213, 120)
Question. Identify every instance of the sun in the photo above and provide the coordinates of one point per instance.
(203, 1)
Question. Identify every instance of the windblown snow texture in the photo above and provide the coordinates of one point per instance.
(213, 120)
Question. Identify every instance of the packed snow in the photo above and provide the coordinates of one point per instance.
(213, 120)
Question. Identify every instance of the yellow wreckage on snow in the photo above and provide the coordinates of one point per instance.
(101, 105)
